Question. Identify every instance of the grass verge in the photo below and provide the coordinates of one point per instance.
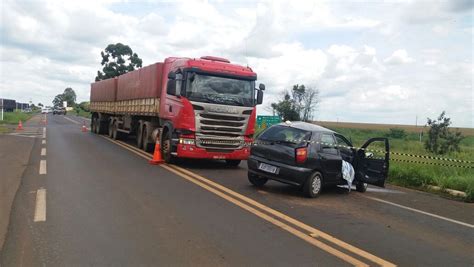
(15, 117)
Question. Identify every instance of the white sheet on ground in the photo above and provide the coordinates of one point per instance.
(348, 173)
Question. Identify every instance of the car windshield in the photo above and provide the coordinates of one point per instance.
(280, 133)
(220, 90)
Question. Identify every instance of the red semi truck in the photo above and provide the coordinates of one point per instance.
(198, 108)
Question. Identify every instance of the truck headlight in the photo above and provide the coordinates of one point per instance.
(186, 141)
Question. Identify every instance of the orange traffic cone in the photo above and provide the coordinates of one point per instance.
(84, 128)
(157, 159)
(20, 126)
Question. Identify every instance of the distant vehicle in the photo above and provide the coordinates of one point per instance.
(45, 110)
(201, 108)
(310, 156)
(59, 111)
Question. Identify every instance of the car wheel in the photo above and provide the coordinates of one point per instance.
(232, 162)
(256, 180)
(313, 185)
(361, 187)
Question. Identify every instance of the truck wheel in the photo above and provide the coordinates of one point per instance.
(93, 125)
(361, 187)
(97, 126)
(147, 145)
(111, 128)
(115, 133)
(232, 162)
(314, 184)
(140, 136)
(166, 148)
(256, 180)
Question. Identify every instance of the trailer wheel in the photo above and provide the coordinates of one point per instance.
(147, 145)
(140, 135)
(115, 133)
(93, 125)
(111, 128)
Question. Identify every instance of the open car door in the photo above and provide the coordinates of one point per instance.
(372, 162)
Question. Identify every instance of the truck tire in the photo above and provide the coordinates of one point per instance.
(111, 128)
(232, 162)
(93, 124)
(147, 145)
(115, 134)
(166, 147)
(140, 135)
(314, 184)
(256, 180)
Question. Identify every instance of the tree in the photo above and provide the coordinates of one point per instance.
(68, 95)
(299, 104)
(440, 139)
(115, 63)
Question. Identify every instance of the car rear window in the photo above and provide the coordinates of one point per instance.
(286, 134)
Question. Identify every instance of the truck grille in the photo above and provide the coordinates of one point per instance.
(220, 131)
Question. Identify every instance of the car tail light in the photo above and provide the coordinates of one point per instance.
(301, 154)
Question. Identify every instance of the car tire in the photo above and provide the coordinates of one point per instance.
(256, 180)
(361, 187)
(313, 186)
(232, 162)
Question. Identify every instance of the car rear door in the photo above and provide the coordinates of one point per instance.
(372, 161)
(331, 160)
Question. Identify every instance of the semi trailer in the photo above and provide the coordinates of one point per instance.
(195, 107)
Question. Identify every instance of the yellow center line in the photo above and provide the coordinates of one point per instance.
(312, 232)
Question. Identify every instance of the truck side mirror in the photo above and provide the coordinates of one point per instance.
(172, 75)
(259, 97)
(261, 87)
(171, 87)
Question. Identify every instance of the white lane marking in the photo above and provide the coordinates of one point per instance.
(422, 212)
(43, 142)
(42, 169)
(44, 132)
(76, 122)
(40, 208)
(43, 151)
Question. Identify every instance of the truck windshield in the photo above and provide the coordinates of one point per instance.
(220, 90)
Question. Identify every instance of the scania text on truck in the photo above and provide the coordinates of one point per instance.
(198, 108)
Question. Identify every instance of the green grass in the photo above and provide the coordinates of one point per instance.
(420, 175)
(14, 117)
(416, 175)
(81, 113)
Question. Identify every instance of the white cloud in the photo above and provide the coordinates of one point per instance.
(346, 50)
(399, 57)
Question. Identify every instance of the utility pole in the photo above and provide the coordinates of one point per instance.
(2, 111)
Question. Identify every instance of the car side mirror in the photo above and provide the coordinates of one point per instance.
(171, 87)
(369, 155)
(172, 75)
(261, 87)
(259, 97)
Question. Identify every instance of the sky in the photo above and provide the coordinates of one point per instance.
(395, 62)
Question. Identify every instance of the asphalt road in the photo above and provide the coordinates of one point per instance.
(98, 202)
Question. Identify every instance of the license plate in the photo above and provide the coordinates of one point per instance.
(268, 168)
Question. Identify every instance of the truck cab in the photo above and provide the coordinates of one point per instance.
(208, 109)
